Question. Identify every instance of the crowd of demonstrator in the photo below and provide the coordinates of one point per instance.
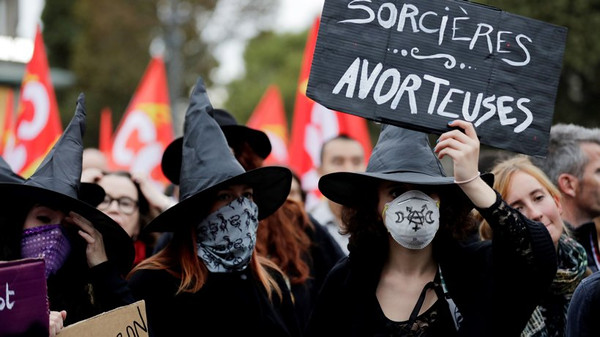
(396, 248)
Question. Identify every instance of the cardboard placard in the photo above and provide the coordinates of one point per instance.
(23, 298)
(129, 320)
(422, 64)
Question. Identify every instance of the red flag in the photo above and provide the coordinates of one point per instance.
(146, 127)
(38, 125)
(7, 130)
(269, 117)
(313, 124)
(105, 141)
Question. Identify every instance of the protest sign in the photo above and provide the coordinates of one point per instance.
(129, 320)
(422, 64)
(23, 298)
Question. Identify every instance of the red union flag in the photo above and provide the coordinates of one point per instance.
(269, 117)
(146, 127)
(38, 125)
(313, 124)
(7, 130)
(105, 136)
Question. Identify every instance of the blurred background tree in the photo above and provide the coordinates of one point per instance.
(269, 59)
(106, 44)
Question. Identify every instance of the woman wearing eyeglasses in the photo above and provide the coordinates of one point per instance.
(127, 204)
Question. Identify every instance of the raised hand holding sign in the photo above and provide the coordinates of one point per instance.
(422, 64)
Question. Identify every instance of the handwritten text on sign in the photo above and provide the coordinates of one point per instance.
(421, 64)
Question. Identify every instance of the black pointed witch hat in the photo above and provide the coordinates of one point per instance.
(208, 165)
(400, 155)
(91, 193)
(7, 175)
(234, 133)
(56, 183)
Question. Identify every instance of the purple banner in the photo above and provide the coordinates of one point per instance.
(23, 298)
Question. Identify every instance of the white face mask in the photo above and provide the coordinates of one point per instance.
(412, 219)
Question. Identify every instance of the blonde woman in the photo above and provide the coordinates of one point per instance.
(527, 189)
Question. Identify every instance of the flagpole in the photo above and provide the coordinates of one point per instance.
(172, 19)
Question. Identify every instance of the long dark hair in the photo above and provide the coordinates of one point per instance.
(369, 236)
(11, 231)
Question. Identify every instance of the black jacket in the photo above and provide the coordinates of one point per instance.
(229, 304)
(86, 292)
(585, 235)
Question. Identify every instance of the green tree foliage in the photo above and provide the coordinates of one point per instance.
(111, 51)
(58, 32)
(269, 59)
(579, 87)
(106, 53)
(106, 45)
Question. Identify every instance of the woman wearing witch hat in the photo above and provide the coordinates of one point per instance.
(209, 276)
(412, 269)
(302, 248)
(52, 215)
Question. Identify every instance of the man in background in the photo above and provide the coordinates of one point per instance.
(573, 164)
(339, 154)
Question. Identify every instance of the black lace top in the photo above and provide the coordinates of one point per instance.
(436, 321)
(419, 328)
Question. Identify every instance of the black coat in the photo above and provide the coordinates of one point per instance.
(86, 292)
(229, 304)
(323, 255)
(585, 235)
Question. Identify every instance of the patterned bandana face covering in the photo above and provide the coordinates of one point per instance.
(226, 238)
(48, 242)
(412, 219)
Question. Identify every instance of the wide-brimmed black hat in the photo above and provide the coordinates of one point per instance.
(234, 133)
(56, 183)
(91, 193)
(208, 165)
(400, 155)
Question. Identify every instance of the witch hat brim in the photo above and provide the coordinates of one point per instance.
(349, 188)
(171, 160)
(56, 183)
(400, 155)
(91, 193)
(269, 184)
(117, 243)
(258, 140)
(238, 133)
(207, 165)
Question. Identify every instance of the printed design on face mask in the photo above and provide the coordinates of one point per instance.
(412, 219)
(226, 238)
(415, 217)
(251, 218)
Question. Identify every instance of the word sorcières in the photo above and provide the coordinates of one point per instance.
(409, 20)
